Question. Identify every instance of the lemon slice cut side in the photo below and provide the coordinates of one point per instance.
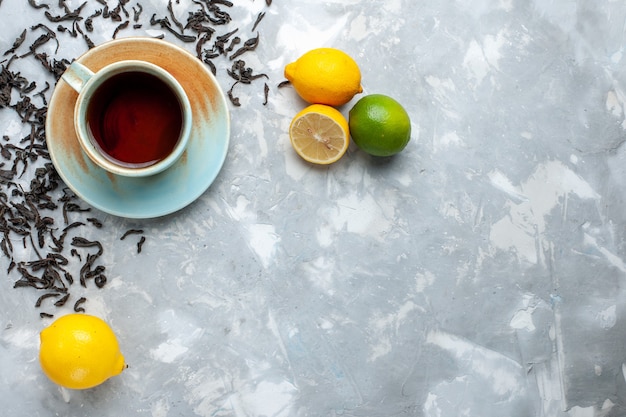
(319, 134)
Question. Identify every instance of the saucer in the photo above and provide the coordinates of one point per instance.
(163, 193)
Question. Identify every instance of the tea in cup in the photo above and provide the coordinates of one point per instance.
(132, 118)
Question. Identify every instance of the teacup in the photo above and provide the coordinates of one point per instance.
(132, 118)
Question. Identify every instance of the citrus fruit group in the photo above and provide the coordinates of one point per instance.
(325, 76)
(379, 125)
(319, 134)
(79, 351)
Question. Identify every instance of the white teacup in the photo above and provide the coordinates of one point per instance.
(132, 118)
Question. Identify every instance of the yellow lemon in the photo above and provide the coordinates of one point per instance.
(379, 125)
(319, 134)
(79, 351)
(325, 76)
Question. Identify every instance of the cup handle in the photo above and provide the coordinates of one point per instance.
(77, 75)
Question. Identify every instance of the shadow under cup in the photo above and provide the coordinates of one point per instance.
(132, 118)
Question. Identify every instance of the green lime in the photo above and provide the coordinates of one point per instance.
(379, 125)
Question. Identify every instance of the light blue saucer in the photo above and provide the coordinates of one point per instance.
(168, 191)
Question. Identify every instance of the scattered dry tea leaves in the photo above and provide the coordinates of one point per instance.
(38, 214)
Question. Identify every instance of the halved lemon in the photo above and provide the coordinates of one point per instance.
(320, 134)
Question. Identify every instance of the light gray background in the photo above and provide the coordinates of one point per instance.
(479, 273)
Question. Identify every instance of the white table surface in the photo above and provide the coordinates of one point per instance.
(479, 273)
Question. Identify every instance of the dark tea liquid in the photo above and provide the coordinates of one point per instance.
(135, 118)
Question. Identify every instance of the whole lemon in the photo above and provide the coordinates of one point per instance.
(79, 351)
(325, 76)
(379, 125)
